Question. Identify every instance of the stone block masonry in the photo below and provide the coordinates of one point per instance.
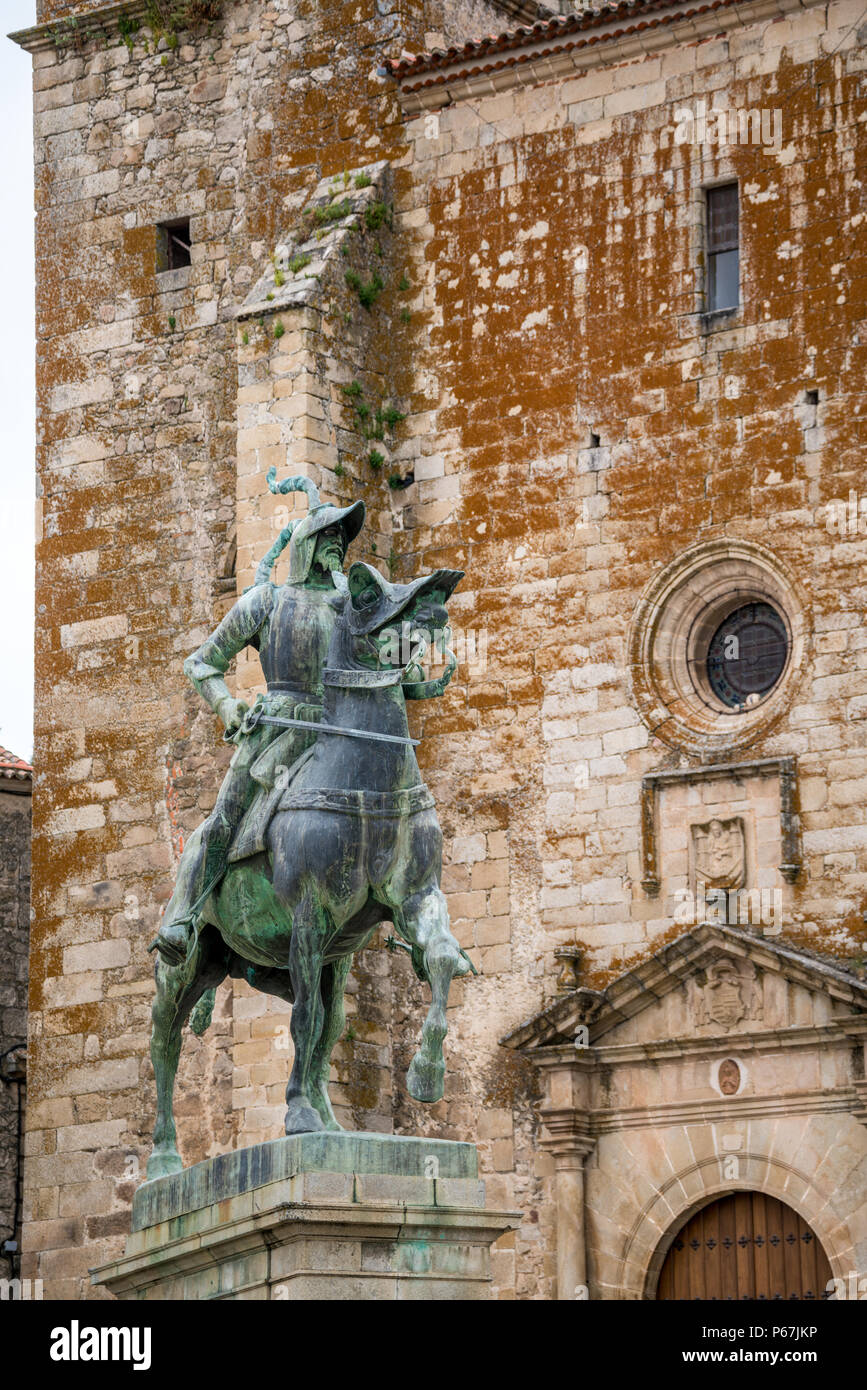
(574, 423)
(229, 129)
(593, 426)
(15, 815)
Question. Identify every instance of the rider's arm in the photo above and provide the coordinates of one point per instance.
(207, 667)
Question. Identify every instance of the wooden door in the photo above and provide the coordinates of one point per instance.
(746, 1245)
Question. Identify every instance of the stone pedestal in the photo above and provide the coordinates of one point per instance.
(314, 1216)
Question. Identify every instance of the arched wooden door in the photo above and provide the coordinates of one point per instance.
(746, 1245)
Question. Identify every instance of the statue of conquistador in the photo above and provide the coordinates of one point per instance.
(291, 626)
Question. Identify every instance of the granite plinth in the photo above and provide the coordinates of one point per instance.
(314, 1216)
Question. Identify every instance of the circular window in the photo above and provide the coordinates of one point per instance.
(717, 642)
(747, 655)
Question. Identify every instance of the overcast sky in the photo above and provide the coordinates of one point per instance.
(16, 386)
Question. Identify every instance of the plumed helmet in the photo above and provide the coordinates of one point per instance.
(301, 535)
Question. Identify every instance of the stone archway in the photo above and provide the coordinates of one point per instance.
(661, 1219)
(744, 1245)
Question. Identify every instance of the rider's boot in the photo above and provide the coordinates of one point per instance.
(201, 863)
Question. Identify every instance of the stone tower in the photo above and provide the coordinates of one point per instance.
(601, 322)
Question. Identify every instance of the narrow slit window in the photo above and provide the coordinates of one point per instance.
(173, 245)
(723, 248)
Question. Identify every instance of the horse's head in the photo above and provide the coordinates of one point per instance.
(391, 626)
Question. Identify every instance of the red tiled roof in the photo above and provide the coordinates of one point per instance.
(559, 31)
(13, 768)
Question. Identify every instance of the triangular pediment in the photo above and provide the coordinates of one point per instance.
(723, 976)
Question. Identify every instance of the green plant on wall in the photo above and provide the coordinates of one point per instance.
(371, 424)
(167, 18)
(368, 291)
(75, 33)
(128, 26)
(377, 215)
(334, 212)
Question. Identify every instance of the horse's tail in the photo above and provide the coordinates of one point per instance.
(203, 1012)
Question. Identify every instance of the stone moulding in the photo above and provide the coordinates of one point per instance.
(790, 825)
(93, 24)
(679, 609)
(545, 57)
(302, 289)
(668, 968)
(589, 1094)
(648, 1240)
(313, 1252)
(314, 1216)
(230, 1175)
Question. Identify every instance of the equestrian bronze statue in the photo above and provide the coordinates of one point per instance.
(324, 829)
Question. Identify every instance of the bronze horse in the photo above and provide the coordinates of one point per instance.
(355, 842)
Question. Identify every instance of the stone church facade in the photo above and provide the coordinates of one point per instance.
(576, 303)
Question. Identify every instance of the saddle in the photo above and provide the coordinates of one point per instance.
(272, 774)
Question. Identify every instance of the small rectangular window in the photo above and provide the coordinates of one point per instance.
(173, 244)
(723, 251)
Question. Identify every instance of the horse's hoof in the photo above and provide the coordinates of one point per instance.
(163, 1163)
(322, 1106)
(302, 1119)
(425, 1079)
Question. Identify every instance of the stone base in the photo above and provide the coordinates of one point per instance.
(314, 1216)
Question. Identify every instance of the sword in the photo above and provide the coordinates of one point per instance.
(253, 718)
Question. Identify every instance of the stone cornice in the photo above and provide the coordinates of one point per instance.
(105, 17)
(834, 1034)
(94, 23)
(735, 1109)
(671, 967)
(568, 1135)
(574, 1131)
(543, 58)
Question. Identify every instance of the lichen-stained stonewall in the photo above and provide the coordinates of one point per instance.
(578, 435)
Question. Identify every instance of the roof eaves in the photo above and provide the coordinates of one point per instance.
(547, 49)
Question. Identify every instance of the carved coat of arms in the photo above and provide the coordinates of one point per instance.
(727, 995)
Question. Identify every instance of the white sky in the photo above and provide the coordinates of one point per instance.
(16, 385)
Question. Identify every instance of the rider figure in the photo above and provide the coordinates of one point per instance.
(291, 627)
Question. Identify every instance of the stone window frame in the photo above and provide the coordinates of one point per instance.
(713, 171)
(785, 768)
(679, 610)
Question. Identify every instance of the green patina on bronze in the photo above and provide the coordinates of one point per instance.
(317, 837)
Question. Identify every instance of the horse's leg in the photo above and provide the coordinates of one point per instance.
(333, 988)
(179, 987)
(425, 920)
(308, 1014)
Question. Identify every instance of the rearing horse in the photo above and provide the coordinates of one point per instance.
(355, 841)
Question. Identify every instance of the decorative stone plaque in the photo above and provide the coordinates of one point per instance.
(719, 853)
